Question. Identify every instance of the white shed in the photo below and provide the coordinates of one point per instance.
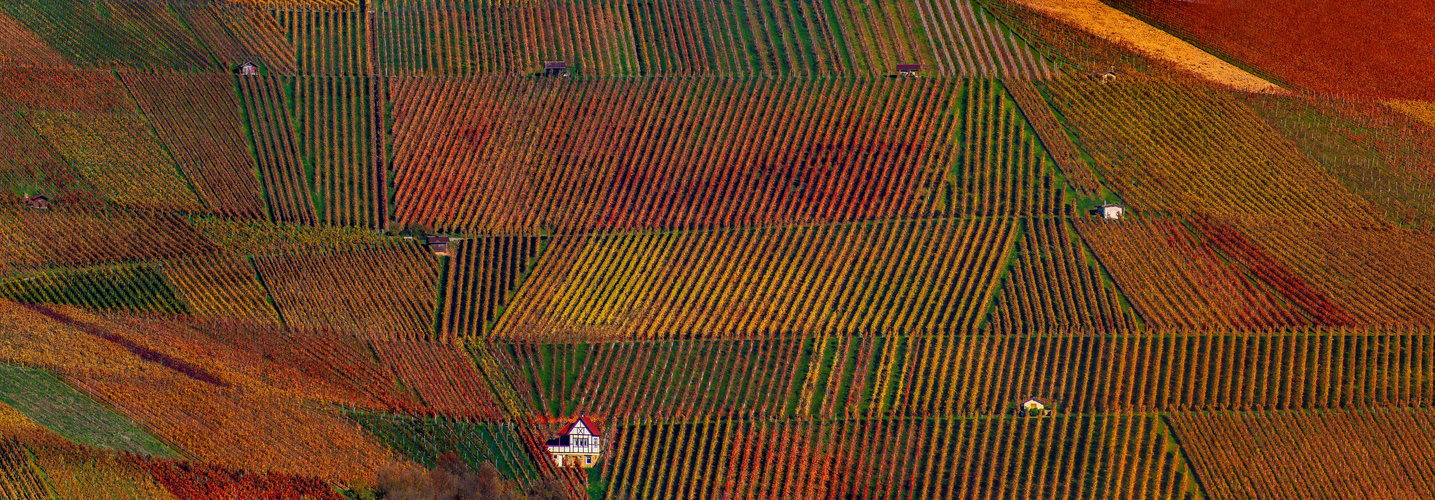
(577, 445)
(1111, 211)
(248, 69)
(1034, 408)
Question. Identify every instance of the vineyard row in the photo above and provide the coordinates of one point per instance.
(513, 157)
(914, 376)
(1007, 458)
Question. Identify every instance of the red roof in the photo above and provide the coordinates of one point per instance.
(592, 429)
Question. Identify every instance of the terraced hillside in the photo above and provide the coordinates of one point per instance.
(817, 249)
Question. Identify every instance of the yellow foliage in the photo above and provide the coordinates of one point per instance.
(1107, 22)
(18, 478)
(237, 427)
(1419, 110)
(242, 421)
(926, 275)
(78, 473)
(316, 290)
(32, 339)
(1185, 149)
(11, 421)
(263, 358)
(219, 286)
(252, 237)
(21, 47)
(117, 153)
(77, 237)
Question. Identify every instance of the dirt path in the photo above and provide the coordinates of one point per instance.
(1106, 22)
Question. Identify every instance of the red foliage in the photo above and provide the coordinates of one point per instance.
(1268, 269)
(189, 480)
(62, 90)
(1379, 48)
(443, 376)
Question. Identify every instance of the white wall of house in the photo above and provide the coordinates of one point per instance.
(581, 443)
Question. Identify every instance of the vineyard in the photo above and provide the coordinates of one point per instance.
(197, 120)
(1229, 448)
(1182, 150)
(1379, 154)
(980, 376)
(620, 250)
(687, 38)
(1100, 457)
(400, 303)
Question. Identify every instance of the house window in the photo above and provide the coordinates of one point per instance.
(588, 459)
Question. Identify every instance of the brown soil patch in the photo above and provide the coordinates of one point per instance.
(1106, 22)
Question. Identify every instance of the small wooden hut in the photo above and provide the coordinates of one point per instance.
(37, 202)
(555, 68)
(1034, 408)
(439, 245)
(1110, 211)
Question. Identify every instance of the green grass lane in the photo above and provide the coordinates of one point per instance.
(52, 403)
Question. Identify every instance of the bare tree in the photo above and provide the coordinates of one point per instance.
(452, 479)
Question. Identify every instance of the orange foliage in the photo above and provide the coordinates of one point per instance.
(117, 153)
(1370, 47)
(14, 423)
(241, 427)
(1175, 279)
(1381, 276)
(18, 480)
(315, 365)
(234, 418)
(198, 480)
(78, 237)
(77, 472)
(31, 339)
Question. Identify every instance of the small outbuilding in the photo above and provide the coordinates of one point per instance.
(439, 245)
(1034, 408)
(36, 202)
(1104, 76)
(908, 70)
(248, 69)
(1110, 211)
(577, 445)
(555, 68)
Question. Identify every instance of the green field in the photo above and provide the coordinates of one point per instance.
(56, 405)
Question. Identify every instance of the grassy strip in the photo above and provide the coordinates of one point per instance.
(50, 402)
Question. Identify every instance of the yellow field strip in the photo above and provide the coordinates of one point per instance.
(1106, 22)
